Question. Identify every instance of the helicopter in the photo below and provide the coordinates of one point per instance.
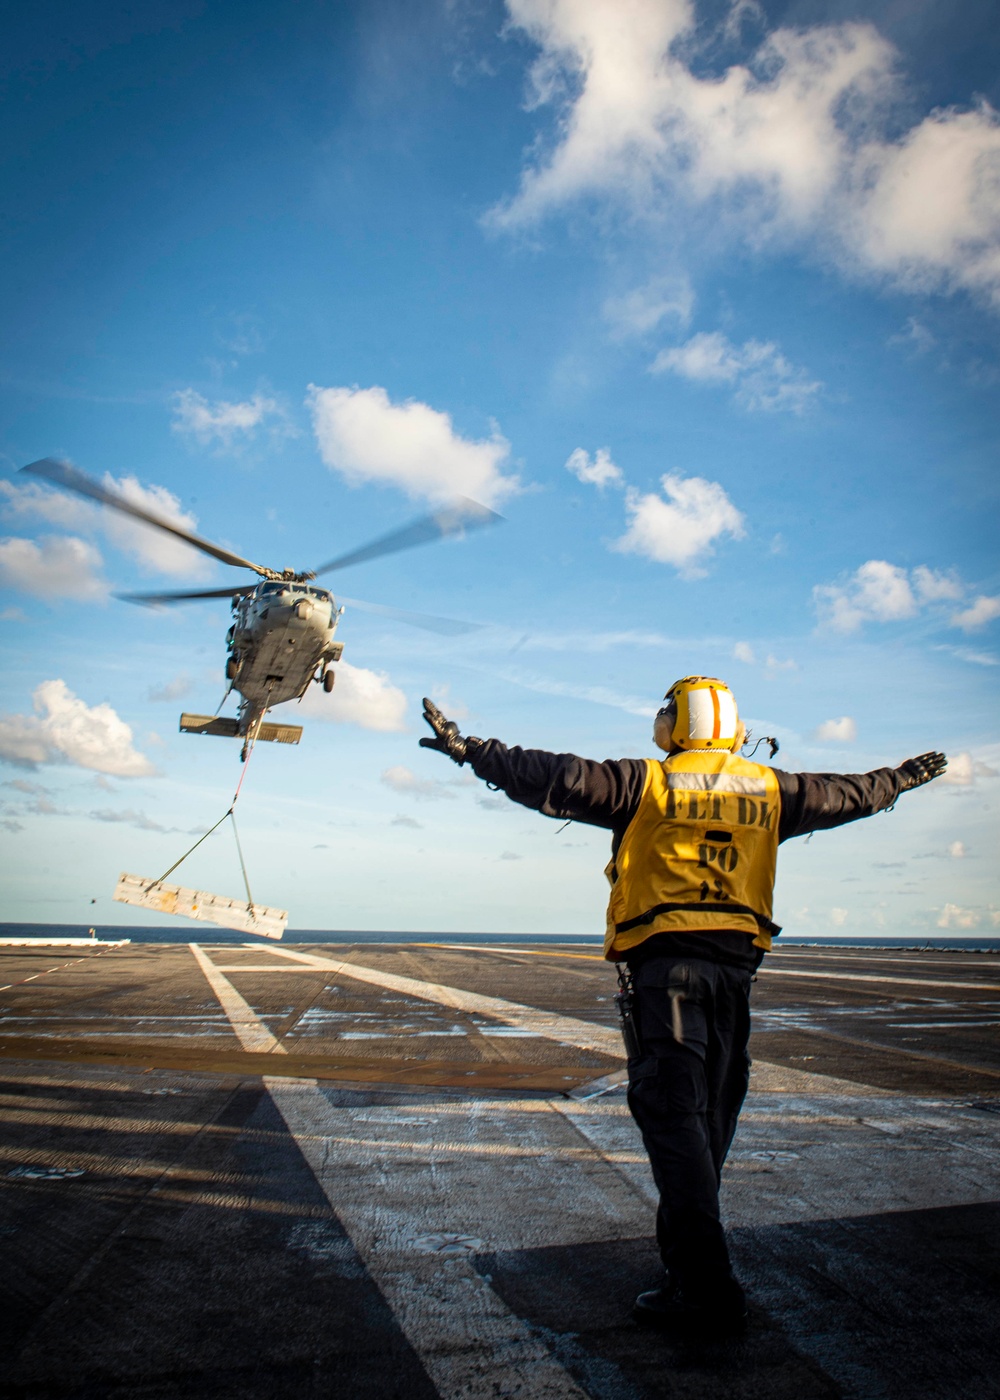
(282, 637)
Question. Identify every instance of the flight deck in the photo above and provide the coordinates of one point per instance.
(408, 1170)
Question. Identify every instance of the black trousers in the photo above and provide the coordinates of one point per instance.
(685, 1093)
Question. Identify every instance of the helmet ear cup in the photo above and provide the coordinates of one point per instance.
(663, 728)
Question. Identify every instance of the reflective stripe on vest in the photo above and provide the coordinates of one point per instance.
(700, 852)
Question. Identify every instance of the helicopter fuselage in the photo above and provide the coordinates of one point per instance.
(281, 640)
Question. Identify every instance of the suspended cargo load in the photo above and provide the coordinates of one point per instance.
(230, 729)
(198, 904)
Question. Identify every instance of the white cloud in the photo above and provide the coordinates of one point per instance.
(642, 310)
(171, 690)
(838, 917)
(978, 614)
(759, 374)
(403, 779)
(221, 421)
(954, 916)
(154, 550)
(975, 658)
(599, 472)
(927, 207)
(963, 770)
(680, 530)
(772, 665)
(877, 592)
(836, 731)
(957, 850)
(129, 816)
(744, 652)
(64, 729)
(915, 335)
(31, 500)
(932, 586)
(366, 698)
(882, 592)
(55, 566)
(593, 694)
(411, 822)
(363, 435)
(442, 697)
(795, 145)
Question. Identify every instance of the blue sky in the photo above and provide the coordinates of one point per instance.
(703, 300)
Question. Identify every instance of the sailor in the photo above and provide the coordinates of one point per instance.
(693, 848)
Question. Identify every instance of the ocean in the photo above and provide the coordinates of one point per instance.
(210, 933)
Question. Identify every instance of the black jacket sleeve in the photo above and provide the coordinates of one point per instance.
(562, 785)
(819, 801)
(607, 794)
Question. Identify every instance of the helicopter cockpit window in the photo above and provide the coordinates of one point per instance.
(272, 588)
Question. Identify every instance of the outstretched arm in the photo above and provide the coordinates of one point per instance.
(555, 784)
(819, 801)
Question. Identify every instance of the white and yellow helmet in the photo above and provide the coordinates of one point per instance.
(700, 713)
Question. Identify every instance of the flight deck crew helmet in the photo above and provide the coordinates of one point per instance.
(699, 712)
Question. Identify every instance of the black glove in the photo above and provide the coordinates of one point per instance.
(446, 739)
(917, 771)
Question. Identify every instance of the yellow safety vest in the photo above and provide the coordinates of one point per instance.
(700, 852)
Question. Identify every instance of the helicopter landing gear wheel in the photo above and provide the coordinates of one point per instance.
(329, 677)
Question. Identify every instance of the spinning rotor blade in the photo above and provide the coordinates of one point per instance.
(64, 474)
(447, 626)
(449, 520)
(156, 600)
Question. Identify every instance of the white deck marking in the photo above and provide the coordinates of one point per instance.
(511, 1175)
(398, 1179)
(509, 950)
(262, 967)
(797, 1157)
(568, 1030)
(767, 967)
(470, 1343)
(250, 1029)
(769, 970)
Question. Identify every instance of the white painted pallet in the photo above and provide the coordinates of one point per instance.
(199, 904)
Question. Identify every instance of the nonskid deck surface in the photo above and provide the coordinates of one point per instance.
(381, 1170)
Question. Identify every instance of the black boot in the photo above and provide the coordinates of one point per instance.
(717, 1312)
